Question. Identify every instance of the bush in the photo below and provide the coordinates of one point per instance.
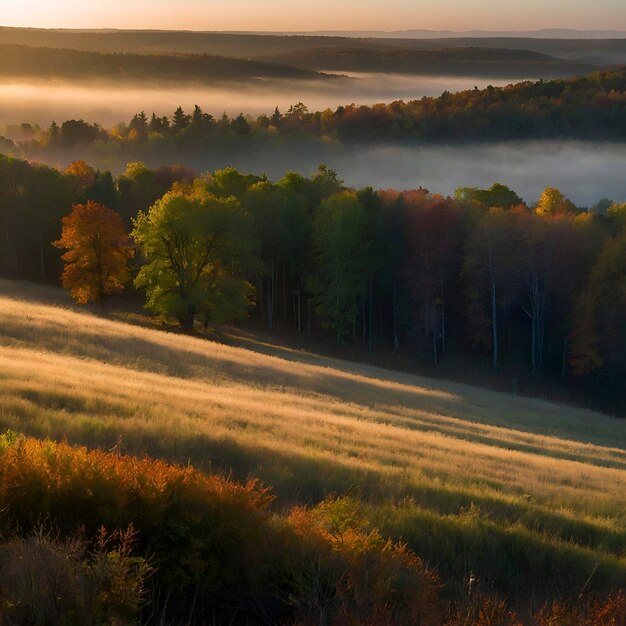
(216, 548)
(46, 580)
(344, 573)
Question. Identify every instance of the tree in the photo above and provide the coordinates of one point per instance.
(138, 189)
(598, 339)
(196, 246)
(97, 254)
(498, 195)
(434, 238)
(339, 231)
(180, 120)
(487, 268)
(599, 336)
(553, 202)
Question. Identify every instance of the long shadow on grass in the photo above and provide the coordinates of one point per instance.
(513, 548)
(363, 385)
(307, 479)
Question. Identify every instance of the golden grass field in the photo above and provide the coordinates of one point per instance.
(472, 479)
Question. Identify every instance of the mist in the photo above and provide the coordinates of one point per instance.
(40, 102)
(584, 171)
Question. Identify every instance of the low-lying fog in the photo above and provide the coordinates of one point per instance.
(40, 102)
(586, 172)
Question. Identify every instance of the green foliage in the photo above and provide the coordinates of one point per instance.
(599, 335)
(497, 195)
(339, 236)
(195, 245)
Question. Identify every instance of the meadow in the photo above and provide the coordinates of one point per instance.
(524, 498)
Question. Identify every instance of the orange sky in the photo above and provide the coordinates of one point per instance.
(276, 15)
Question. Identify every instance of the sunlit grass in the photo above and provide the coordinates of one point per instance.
(421, 453)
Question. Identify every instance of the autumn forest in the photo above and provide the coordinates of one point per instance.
(313, 328)
(411, 272)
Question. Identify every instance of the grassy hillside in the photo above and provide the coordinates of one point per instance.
(527, 496)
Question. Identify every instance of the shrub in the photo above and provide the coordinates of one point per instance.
(345, 573)
(47, 580)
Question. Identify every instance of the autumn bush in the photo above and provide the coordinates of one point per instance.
(48, 580)
(347, 573)
(215, 546)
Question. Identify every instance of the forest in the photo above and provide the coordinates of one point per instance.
(42, 62)
(592, 107)
(533, 291)
(603, 52)
(463, 61)
(48, 63)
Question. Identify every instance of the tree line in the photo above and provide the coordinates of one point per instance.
(592, 107)
(21, 61)
(536, 289)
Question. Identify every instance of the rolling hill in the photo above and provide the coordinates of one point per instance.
(254, 45)
(459, 61)
(527, 495)
(47, 63)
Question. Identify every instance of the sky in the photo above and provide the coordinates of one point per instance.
(310, 15)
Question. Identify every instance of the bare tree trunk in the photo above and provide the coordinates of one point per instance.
(262, 299)
(363, 319)
(43, 270)
(271, 296)
(396, 342)
(299, 308)
(494, 313)
(284, 293)
(309, 317)
(369, 345)
(443, 319)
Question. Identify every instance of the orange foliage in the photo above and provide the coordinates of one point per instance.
(97, 254)
(609, 611)
(83, 171)
(357, 576)
(94, 488)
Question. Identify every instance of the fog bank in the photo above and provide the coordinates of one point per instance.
(584, 171)
(40, 102)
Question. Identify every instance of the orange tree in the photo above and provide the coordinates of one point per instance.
(97, 254)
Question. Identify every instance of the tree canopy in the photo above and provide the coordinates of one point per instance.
(98, 250)
(195, 245)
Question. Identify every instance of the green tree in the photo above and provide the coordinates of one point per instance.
(138, 189)
(196, 246)
(180, 120)
(599, 336)
(339, 235)
(498, 195)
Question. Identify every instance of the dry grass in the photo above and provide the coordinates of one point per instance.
(309, 425)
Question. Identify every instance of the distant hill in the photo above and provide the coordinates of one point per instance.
(493, 62)
(74, 64)
(421, 33)
(255, 45)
